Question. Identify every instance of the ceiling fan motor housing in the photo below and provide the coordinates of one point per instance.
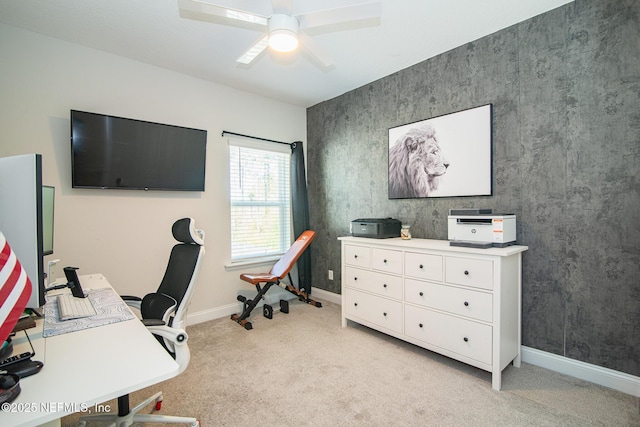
(283, 32)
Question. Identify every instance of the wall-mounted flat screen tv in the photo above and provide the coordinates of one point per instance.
(115, 152)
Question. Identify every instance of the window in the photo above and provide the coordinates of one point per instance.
(260, 199)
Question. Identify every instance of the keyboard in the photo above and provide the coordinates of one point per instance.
(70, 307)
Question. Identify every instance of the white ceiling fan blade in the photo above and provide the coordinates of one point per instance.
(255, 50)
(316, 53)
(282, 6)
(204, 11)
(342, 15)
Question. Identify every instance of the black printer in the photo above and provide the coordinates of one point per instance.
(376, 228)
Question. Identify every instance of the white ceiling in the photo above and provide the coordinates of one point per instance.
(153, 32)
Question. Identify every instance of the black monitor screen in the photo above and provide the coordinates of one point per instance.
(115, 152)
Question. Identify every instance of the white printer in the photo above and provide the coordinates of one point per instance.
(480, 228)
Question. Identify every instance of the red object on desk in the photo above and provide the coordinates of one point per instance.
(15, 289)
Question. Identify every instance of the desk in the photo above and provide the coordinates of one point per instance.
(84, 368)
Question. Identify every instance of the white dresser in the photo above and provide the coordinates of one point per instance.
(461, 302)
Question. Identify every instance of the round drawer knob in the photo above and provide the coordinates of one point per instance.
(466, 303)
(355, 256)
(384, 285)
(421, 325)
(384, 260)
(421, 266)
(466, 272)
(466, 339)
(384, 314)
(355, 278)
(421, 294)
(355, 304)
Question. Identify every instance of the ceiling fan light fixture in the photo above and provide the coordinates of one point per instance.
(283, 33)
(283, 40)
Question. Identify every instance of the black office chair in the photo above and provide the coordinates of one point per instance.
(164, 313)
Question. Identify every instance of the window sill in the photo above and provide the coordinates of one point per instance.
(236, 265)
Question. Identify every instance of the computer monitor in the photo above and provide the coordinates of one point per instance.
(22, 213)
(48, 204)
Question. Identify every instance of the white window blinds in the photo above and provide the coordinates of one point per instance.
(260, 199)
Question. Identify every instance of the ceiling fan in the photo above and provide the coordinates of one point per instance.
(283, 31)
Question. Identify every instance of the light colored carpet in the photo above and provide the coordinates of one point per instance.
(304, 369)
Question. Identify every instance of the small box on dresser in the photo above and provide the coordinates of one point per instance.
(461, 302)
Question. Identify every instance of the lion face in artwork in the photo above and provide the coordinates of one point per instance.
(415, 164)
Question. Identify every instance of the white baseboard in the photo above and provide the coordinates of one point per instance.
(213, 313)
(229, 309)
(326, 295)
(616, 380)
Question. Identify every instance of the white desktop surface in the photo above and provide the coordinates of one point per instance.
(87, 367)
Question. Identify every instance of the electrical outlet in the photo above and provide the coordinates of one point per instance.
(330, 274)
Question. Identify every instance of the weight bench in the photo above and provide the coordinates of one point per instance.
(264, 281)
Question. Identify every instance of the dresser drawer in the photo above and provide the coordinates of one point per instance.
(387, 260)
(423, 266)
(381, 311)
(477, 273)
(464, 337)
(464, 302)
(357, 255)
(379, 283)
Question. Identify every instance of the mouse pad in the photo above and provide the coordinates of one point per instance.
(109, 309)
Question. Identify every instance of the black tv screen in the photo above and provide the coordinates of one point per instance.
(115, 152)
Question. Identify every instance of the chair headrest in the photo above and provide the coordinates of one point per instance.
(184, 230)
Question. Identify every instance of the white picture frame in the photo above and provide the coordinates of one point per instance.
(444, 156)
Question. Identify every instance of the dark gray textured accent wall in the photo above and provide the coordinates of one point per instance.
(565, 88)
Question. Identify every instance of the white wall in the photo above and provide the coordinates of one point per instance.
(126, 234)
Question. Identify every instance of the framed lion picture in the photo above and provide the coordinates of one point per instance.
(445, 156)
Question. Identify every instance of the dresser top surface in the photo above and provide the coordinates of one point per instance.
(431, 244)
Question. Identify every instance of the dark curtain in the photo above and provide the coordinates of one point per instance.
(300, 212)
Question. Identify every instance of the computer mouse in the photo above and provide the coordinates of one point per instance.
(25, 369)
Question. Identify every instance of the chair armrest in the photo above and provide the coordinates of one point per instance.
(152, 322)
(176, 336)
(178, 339)
(132, 301)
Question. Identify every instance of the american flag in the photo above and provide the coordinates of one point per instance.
(15, 289)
